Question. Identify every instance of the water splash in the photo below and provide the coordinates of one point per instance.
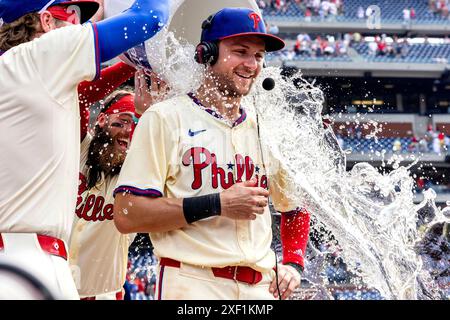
(177, 67)
(371, 214)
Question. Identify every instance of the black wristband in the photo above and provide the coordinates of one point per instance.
(297, 267)
(198, 208)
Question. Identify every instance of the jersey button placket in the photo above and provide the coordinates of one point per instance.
(233, 153)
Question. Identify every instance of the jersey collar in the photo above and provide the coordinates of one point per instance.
(216, 114)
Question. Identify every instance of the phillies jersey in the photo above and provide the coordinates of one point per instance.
(97, 248)
(40, 130)
(181, 149)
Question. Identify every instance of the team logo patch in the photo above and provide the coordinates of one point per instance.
(256, 19)
(194, 133)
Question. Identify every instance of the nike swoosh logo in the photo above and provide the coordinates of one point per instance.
(194, 133)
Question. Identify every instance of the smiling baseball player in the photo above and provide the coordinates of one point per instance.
(46, 57)
(195, 179)
(97, 248)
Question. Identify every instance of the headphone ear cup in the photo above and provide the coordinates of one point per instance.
(214, 49)
(206, 53)
(199, 51)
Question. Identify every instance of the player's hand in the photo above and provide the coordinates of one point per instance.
(288, 281)
(243, 201)
(145, 95)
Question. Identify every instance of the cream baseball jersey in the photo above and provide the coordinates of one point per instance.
(98, 251)
(182, 149)
(40, 129)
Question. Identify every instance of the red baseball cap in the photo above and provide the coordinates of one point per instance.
(11, 10)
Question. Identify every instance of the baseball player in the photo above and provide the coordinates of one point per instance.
(97, 248)
(46, 57)
(195, 179)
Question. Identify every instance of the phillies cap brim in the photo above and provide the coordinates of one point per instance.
(87, 8)
(273, 43)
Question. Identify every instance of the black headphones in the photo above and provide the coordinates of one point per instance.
(207, 52)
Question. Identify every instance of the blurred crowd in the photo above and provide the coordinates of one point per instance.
(328, 9)
(338, 45)
(439, 7)
(321, 46)
(433, 141)
(396, 48)
(341, 45)
(140, 282)
(318, 8)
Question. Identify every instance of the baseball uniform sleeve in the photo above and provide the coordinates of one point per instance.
(63, 58)
(84, 150)
(146, 166)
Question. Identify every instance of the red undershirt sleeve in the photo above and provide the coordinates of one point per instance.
(90, 92)
(294, 235)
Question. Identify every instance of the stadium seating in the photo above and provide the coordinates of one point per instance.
(391, 11)
(379, 145)
(285, 56)
(417, 53)
(348, 294)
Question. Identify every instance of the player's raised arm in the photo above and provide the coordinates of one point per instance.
(130, 28)
(90, 92)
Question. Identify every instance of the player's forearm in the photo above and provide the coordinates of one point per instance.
(110, 79)
(134, 214)
(130, 28)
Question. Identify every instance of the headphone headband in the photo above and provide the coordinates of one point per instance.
(207, 52)
(208, 22)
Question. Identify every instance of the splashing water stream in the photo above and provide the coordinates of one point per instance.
(371, 215)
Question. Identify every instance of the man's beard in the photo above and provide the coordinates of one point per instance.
(226, 85)
(103, 157)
